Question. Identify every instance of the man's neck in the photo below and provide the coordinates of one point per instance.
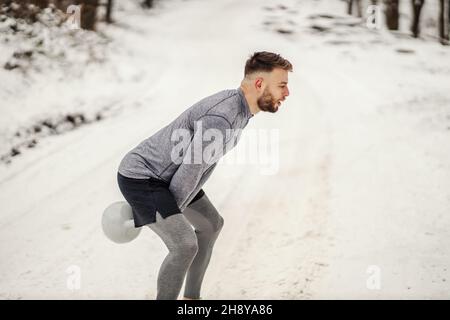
(251, 99)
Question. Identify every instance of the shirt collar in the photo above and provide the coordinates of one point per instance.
(244, 104)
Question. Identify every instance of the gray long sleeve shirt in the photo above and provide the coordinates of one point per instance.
(185, 152)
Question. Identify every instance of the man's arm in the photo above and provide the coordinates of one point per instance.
(205, 149)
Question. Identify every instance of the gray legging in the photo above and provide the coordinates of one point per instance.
(189, 250)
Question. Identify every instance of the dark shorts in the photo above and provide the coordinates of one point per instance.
(146, 196)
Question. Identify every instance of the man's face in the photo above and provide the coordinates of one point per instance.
(275, 91)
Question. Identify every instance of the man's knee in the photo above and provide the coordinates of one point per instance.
(187, 248)
(220, 223)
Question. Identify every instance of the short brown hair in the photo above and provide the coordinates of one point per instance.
(266, 61)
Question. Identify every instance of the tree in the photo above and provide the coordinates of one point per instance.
(147, 3)
(392, 14)
(358, 7)
(417, 8)
(349, 6)
(109, 5)
(443, 30)
(88, 13)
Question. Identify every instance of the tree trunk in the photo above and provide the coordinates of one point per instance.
(147, 3)
(359, 8)
(417, 8)
(392, 14)
(108, 11)
(441, 19)
(88, 14)
(350, 6)
(448, 17)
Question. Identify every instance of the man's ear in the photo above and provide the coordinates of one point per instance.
(258, 83)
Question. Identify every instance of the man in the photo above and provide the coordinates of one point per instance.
(162, 177)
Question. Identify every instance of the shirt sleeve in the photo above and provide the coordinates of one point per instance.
(211, 133)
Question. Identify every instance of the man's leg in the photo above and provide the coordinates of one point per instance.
(207, 223)
(177, 234)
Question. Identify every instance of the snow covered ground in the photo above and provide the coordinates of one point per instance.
(358, 207)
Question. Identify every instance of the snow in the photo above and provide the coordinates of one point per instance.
(357, 208)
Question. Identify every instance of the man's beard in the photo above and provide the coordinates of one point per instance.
(267, 102)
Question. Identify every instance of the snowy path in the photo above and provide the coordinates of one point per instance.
(358, 184)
